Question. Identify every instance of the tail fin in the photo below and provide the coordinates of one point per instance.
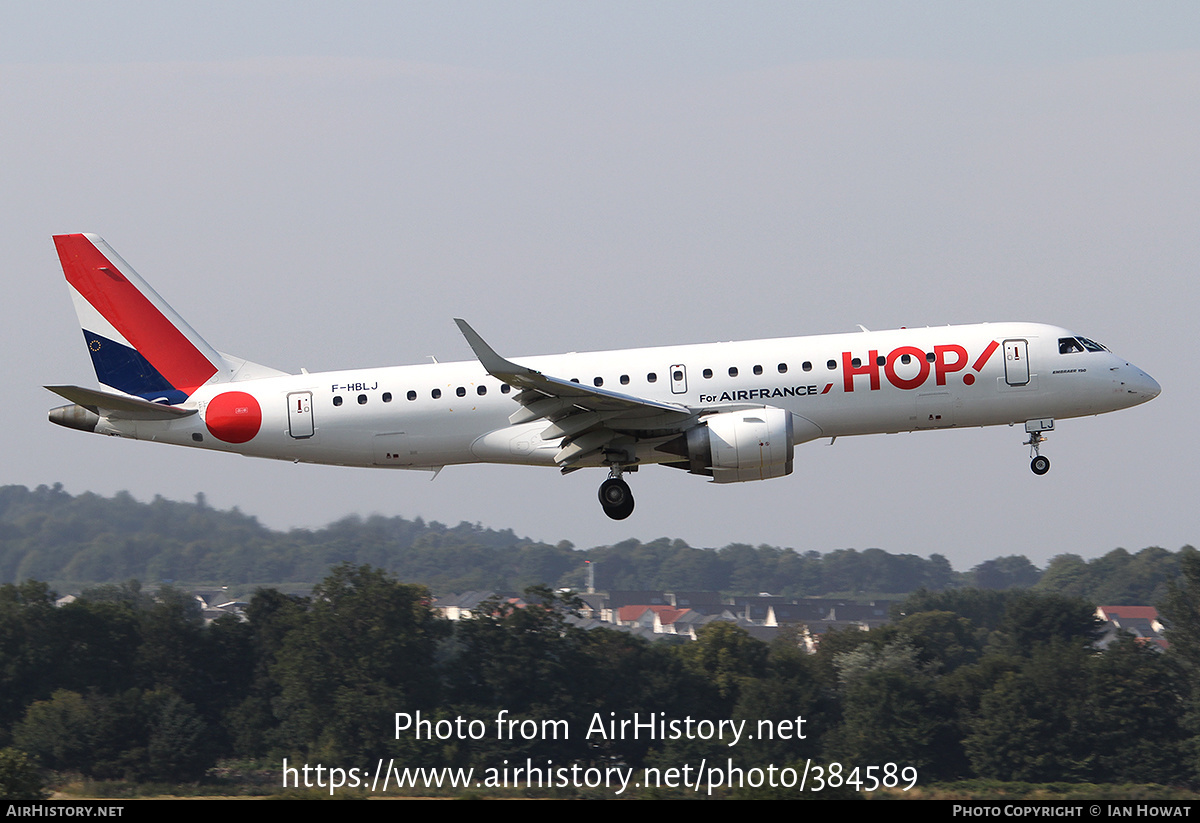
(139, 345)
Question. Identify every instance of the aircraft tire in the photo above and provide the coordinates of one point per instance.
(1040, 465)
(616, 498)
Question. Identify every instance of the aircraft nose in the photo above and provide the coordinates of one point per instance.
(1141, 385)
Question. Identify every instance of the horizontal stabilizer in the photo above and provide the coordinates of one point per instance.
(119, 406)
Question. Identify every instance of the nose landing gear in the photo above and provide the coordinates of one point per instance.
(1038, 465)
(615, 496)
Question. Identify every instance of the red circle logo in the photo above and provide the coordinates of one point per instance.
(234, 417)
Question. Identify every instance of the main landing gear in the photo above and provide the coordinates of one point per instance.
(615, 496)
(1038, 465)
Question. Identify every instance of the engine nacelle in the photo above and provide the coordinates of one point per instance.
(733, 447)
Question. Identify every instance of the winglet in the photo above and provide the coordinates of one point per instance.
(493, 364)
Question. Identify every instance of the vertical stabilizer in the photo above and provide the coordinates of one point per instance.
(139, 344)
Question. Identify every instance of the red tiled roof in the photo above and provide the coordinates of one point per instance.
(669, 616)
(1130, 612)
(634, 612)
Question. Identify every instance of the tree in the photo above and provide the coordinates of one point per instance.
(728, 657)
(363, 651)
(891, 710)
(1033, 619)
(1014, 571)
(1033, 724)
(19, 777)
(1182, 612)
(1136, 708)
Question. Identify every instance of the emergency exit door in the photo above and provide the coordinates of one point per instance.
(678, 379)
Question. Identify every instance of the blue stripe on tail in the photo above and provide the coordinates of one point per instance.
(126, 370)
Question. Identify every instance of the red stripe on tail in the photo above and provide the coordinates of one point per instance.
(129, 311)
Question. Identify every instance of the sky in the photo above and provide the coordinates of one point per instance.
(325, 187)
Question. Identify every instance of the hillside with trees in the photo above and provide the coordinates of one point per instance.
(76, 541)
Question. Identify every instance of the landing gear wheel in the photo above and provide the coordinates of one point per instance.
(1040, 465)
(616, 498)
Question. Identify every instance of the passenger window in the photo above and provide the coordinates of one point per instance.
(362, 400)
(708, 374)
(831, 365)
(337, 400)
(782, 368)
(461, 391)
(505, 388)
(598, 382)
(481, 390)
(387, 397)
(733, 372)
(906, 359)
(652, 378)
(437, 393)
(806, 365)
(758, 369)
(880, 360)
(929, 358)
(412, 395)
(677, 375)
(624, 380)
(856, 363)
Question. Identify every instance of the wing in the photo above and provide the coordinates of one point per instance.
(588, 420)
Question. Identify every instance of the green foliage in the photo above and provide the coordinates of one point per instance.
(1031, 723)
(135, 735)
(983, 608)
(48, 534)
(57, 731)
(892, 711)
(1018, 619)
(123, 684)
(1071, 714)
(363, 650)
(1012, 572)
(1181, 609)
(1136, 714)
(727, 656)
(19, 777)
(1117, 578)
(787, 691)
(1032, 619)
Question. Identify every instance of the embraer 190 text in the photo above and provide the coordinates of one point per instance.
(730, 411)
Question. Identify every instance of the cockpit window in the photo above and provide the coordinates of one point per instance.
(1070, 345)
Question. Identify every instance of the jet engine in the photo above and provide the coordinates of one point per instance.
(732, 447)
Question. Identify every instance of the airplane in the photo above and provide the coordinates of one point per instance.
(733, 412)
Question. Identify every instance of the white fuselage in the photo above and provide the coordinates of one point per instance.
(427, 416)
